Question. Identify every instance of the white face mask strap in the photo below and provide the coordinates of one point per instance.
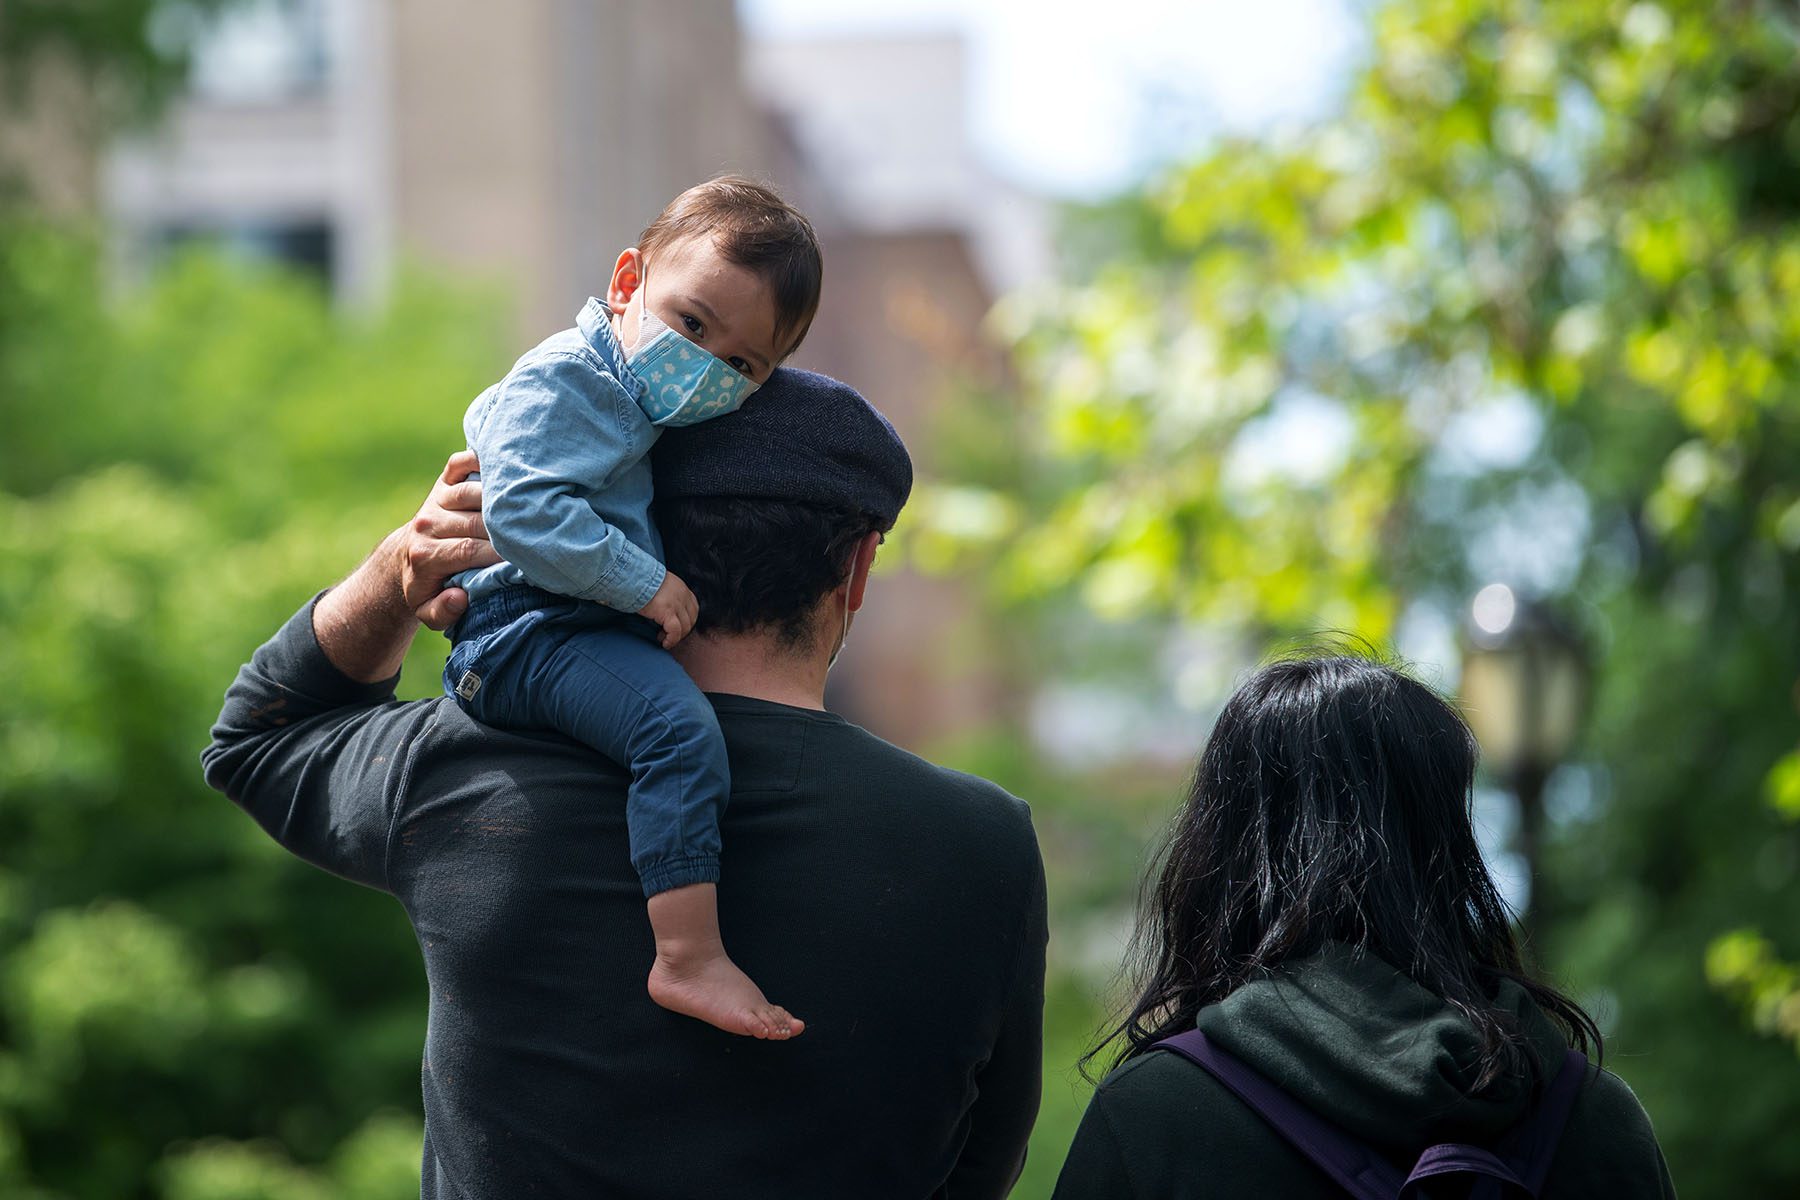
(844, 638)
(649, 324)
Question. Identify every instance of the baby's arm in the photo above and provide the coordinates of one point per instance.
(547, 440)
(674, 609)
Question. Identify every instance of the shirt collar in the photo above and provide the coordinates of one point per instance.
(594, 321)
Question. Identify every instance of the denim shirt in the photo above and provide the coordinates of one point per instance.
(565, 472)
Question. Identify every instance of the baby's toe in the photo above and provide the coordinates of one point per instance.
(782, 1024)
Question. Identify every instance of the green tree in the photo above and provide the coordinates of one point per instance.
(1529, 306)
(136, 50)
(186, 1011)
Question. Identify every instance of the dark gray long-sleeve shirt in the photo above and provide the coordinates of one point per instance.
(896, 906)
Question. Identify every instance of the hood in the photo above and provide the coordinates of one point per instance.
(1358, 1042)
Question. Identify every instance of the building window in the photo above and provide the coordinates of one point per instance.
(262, 51)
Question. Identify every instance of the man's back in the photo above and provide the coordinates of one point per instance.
(895, 906)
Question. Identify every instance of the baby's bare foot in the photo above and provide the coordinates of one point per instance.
(711, 988)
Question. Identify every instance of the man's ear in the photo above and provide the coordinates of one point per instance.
(859, 569)
(627, 277)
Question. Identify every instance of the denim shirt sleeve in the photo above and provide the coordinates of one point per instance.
(550, 439)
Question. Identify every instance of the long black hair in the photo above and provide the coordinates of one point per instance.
(1331, 803)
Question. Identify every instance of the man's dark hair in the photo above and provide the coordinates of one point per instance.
(760, 564)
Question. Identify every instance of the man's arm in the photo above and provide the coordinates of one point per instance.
(1011, 1084)
(307, 741)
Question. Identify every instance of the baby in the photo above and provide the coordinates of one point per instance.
(719, 289)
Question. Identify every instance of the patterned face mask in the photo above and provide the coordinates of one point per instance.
(684, 384)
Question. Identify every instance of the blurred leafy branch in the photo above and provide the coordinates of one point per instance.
(1529, 308)
(135, 53)
(175, 474)
(180, 471)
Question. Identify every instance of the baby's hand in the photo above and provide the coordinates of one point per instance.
(674, 608)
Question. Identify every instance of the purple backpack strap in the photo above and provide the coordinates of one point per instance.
(1531, 1145)
(1356, 1168)
(1459, 1158)
(1521, 1159)
(1524, 1153)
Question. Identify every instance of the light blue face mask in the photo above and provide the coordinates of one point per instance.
(684, 384)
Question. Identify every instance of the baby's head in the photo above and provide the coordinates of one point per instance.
(729, 264)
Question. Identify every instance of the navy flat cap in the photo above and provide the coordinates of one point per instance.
(800, 436)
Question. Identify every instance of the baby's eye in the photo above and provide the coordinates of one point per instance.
(694, 327)
(739, 365)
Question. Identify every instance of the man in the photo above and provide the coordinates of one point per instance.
(897, 905)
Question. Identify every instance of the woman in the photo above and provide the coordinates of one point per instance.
(1323, 916)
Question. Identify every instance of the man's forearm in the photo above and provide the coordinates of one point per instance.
(363, 624)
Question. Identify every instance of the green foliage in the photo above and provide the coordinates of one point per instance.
(1744, 963)
(1092, 831)
(136, 51)
(186, 1011)
(1270, 405)
(380, 1161)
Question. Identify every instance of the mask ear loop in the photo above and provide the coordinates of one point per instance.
(649, 324)
(844, 638)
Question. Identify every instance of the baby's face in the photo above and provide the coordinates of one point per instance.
(718, 304)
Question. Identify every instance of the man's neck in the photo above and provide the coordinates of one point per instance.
(757, 665)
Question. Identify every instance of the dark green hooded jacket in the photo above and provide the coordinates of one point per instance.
(1361, 1044)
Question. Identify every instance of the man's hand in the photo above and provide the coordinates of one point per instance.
(674, 608)
(446, 537)
(365, 623)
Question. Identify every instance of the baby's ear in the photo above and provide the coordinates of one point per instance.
(627, 277)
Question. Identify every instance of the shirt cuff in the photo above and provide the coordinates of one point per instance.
(631, 581)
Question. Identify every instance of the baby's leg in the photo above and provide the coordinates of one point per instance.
(693, 975)
(631, 701)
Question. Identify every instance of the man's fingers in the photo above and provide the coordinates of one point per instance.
(458, 497)
(447, 536)
(443, 610)
(467, 553)
(460, 466)
(440, 523)
(444, 557)
(429, 563)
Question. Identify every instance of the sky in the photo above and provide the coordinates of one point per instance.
(1073, 105)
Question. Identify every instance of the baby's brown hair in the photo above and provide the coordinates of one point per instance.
(755, 228)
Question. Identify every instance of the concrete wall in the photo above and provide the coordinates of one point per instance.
(533, 140)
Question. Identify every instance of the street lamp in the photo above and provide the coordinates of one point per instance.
(1525, 681)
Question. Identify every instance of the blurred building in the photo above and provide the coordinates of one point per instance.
(527, 143)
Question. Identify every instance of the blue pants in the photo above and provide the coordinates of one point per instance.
(525, 659)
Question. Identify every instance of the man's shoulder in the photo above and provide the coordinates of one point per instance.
(925, 782)
(454, 746)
